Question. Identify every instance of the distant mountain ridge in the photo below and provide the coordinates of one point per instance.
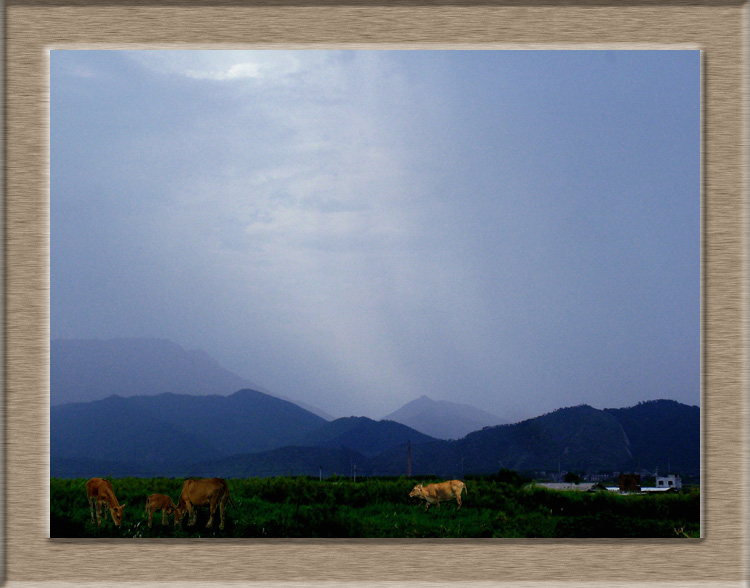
(364, 435)
(250, 433)
(177, 426)
(82, 370)
(147, 407)
(579, 438)
(662, 432)
(442, 419)
(171, 433)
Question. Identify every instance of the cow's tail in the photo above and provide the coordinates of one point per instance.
(226, 492)
(464, 489)
(148, 500)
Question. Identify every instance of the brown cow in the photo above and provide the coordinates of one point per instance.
(202, 492)
(156, 502)
(100, 491)
(434, 493)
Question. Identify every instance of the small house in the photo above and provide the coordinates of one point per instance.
(669, 482)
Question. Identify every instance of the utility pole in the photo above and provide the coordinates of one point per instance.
(320, 472)
(354, 469)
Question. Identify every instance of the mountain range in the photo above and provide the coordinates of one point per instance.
(250, 433)
(443, 419)
(143, 408)
(82, 370)
(659, 434)
(174, 433)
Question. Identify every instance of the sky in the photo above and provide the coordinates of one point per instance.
(515, 230)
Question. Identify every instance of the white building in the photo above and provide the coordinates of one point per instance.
(669, 482)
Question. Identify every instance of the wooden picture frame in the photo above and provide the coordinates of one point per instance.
(32, 27)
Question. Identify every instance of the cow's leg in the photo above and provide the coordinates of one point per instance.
(150, 516)
(458, 500)
(98, 512)
(91, 506)
(221, 514)
(164, 517)
(211, 510)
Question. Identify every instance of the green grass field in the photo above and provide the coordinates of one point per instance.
(381, 507)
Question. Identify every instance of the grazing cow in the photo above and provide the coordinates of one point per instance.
(434, 493)
(202, 492)
(100, 491)
(156, 502)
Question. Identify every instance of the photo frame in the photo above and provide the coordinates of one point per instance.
(718, 29)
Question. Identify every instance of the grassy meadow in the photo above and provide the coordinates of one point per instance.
(380, 507)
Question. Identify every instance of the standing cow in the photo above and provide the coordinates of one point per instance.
(156, 502)
(99, 491)
(199, 493)
(434, 493)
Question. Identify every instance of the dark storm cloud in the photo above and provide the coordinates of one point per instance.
(514, 230)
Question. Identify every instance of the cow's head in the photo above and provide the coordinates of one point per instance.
(179, 512)
(116, 512)
(416, 491)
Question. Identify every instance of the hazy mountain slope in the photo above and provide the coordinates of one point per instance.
(578, 438)
(170, 430)
(663, 434)
(574, 438)
(82, 370)
(243, 422)
(364, 435)
(442, 419)
(117, 429)
(308, 407)
(179, 435)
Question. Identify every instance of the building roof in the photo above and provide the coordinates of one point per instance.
(659, 489)
(583, 487)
